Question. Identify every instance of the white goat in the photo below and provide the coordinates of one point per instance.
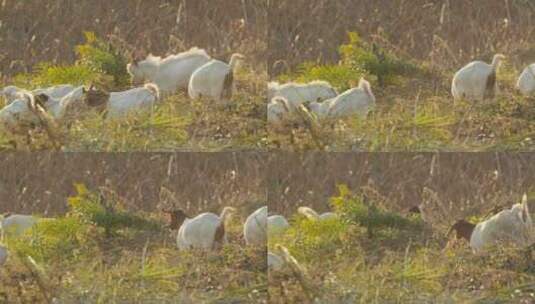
(357, 101)
(214, 79)
(255, 227)
(171, 73)
(513, 225)
(526, 81)
(313, 215)
(59, 107)
(477, 80)
(17, 224)
(120, 104)
(298, 93)
(205, 231)
(11, 93)
(277, 224)
(23, 114)
(277, 110)
(274, 262)
(3, 255)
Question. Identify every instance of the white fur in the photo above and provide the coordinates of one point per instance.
(313, 215)
(514, 225)
(357, 101)
(208, 80)
(255, 227)
(58, 91)
(171, 73)
(11, 93)
(274, 262)
(277, 110)
(526, 81)
(3, 255)
(17, 224)
(470, 81)
(277, 224)
(21, 114)
(199, 232)
(121, 104)
(298, 93)
(59, 107)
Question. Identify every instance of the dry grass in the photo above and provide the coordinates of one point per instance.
(414, 112)
(41, 182)
(443, 33)
(400, 265)
(36, 31)
(161, 28)
(136, 264)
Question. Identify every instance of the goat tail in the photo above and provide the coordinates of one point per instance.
(365, 85)
(525, 210)
(228, 83)
(219, 237)
(153, 88)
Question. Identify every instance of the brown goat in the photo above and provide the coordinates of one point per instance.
(463, 229)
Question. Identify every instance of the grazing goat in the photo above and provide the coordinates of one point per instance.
(277, 224)
(214, 80)
(277, 110)
(357, 101)
(121, 104)
(205, 231)
(59, 108)
(511, 225)
(298, 93)
(255, 227)
(171, 73)
(11, 93)
(477, 80)
(526, 81)
(26, 113)
(17, 224)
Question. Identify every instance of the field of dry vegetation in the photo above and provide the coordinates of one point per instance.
(110, 242)
(39, 42)
(424, 43)
(377, 252)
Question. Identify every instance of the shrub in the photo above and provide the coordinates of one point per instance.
(103, 58)
(340, 76)
(312, 239)
(359, 55)
(89, 207)
(61, 238)
(359, 59)
(354, 209)
(47, 74)
(98, 62)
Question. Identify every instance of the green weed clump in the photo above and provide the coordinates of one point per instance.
(358, 59)
(53, 240)
(357, 210)
(374, 60)
(94, 209)
(97, 62)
